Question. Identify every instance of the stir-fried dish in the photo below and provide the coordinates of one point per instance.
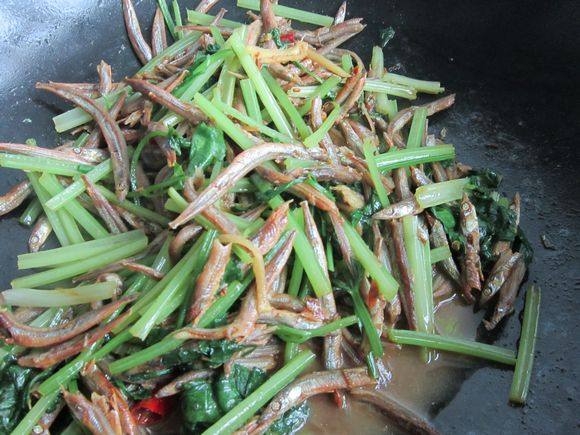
(254, 218)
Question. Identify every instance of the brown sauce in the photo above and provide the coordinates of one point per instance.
(421, 387)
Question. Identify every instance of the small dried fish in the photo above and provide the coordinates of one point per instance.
(498, 275)
(158, 33)
(306, 387)
(507, 294)
(30, 336)
(91, 416)
(140, 46)
(166, 99)
(438, 239)
(105, 78)
(43, 425)
(14, 197)
(106, 211)
(402, 261)
(329, 173)
(176, 385)
(100, 384)
(35, 151)
(240, 166)
(316, 121)
(185, 235)
(110, 130)
(269, 234)
(406, 207)
(340, 14)
(141, 268)
(64, 350)
(471, 273)
(212, 213)
(209, 279)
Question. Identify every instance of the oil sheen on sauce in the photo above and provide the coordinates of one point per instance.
(422, 387)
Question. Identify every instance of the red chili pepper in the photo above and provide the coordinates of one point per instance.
(287, 37)
(150, 411)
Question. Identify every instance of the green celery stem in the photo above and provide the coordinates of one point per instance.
(242, 412)
(451, 344)
(526, 348)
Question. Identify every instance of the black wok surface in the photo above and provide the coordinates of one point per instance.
(514, 66)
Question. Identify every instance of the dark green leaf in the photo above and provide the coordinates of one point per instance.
(214, 352)
(15, 382)
(386, 35)
(497, 221)
(233, 272)
(203, 402)
(364, 214)
(212, 48)
(177, 142)
(292, 420)
(198, 404)
(156, 335)
(269, 194)
(134, 392)
(207, 145)
(217, 352)
(231, 389)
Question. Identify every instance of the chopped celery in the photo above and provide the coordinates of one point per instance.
(291, 13)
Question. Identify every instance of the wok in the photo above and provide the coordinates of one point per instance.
(513, 66)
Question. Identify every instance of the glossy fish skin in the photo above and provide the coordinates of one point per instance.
(471, 273)
(185, 235)
(269, 234)
(158, 34)
(439, 238)
(67, 349)
(39, 234)
(402, 261)
(240, 166)
(210, 279)
(507, 295)
(498, 275)
(332, 343)
(107, 212)
(407, 207)
(305, 387)
(166, 99)
(90, 416)
(110, 130)
(100, 384)
(176, 385)
(142, 49)
(30, 336)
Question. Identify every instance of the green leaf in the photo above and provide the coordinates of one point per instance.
(497, 221)
(134, 392)
(292, 420)
(386, 35)
(15, 382)
(214, 352)
(204, 402)
(198, 404)
(269, 194)
(363, 215)
(233, 388)
(207, 145)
